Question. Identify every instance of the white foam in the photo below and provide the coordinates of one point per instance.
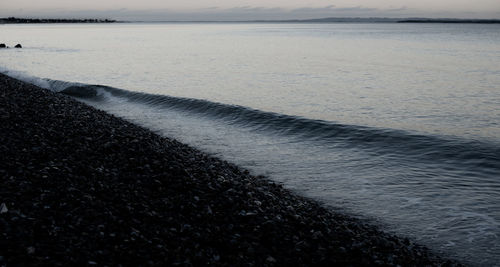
(53, 85)
(25, 77)
(58, 86)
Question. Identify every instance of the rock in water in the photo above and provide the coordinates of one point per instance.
(3, 46)
(18, 46)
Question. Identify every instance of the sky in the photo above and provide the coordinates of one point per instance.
(157, 10)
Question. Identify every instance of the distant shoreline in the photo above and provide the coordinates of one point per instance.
(13, 20)
(468, 21)
(386, 20)
(338, 20)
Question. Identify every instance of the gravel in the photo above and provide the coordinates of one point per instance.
(80, 186)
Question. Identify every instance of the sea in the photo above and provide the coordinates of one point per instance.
(397, 124)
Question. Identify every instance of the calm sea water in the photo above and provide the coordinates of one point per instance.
(396, 123)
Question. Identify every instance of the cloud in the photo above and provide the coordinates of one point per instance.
(246, 9)
(313, 9)
(332, 9)
(398, 9)
(356, 9)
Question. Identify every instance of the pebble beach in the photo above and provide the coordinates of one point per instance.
(80, 186)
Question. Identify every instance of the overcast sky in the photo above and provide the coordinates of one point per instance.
(248, 9)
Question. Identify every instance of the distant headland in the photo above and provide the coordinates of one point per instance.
(31, 20)
(13, 20)
(385, 20)
(347, 20)
(477, 21)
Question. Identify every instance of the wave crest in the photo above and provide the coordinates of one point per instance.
(423, 147)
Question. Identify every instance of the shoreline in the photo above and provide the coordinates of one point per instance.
(81, 186)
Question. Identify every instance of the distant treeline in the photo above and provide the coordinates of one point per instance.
(22, 20)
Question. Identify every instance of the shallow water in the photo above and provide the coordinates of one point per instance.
(398, 123)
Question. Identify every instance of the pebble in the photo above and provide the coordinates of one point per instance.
(270, 259)
(3, 208)
(30, 250)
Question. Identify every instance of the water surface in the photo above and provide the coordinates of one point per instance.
(398, 123)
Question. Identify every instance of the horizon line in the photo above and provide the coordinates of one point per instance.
(312, 20)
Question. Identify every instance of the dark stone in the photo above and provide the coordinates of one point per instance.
(18, 46)
(3, 46)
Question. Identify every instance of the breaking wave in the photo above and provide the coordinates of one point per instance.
(475, 154)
